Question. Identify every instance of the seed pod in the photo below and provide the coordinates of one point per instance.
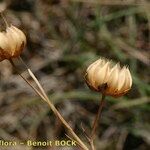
(102, 76)
(12, 42)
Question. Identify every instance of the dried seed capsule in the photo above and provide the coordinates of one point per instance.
(111, 80)
(12, 42)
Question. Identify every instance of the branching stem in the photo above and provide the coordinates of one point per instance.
(40, 91)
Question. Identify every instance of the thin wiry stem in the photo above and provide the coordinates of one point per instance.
(92, 145)
(97, 118)
(28, 82)
(44, 96)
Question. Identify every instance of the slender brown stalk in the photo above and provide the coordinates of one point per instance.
(12, 63)
(95, 124)
(44, 96)
(92, 145)
(97, 118)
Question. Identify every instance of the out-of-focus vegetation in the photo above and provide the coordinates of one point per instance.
(64, 37)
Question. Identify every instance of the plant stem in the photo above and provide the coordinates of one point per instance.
(43, 95)
(97, 118)
(92, 145)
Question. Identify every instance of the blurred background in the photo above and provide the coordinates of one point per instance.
(63, 38)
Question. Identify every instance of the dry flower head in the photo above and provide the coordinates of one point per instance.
(12, 42)
(103, 76)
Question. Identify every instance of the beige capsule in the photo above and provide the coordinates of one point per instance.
(103, 76)
(12, 42)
